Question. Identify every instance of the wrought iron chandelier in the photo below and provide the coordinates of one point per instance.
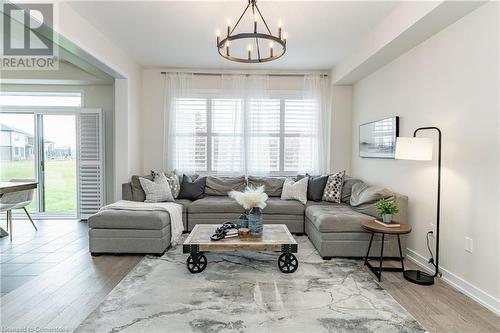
(277, 44)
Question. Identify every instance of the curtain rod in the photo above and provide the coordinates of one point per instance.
(220, 74)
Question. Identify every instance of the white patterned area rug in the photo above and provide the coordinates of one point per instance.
(246, 292)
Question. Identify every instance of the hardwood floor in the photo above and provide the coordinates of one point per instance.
(49, 280)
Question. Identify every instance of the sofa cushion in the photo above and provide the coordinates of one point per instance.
(336, 218)
(215, 204)
(129, 219)
(137, 191)
(283, 207)
(223, 185)
(272, 185)
(184, 202)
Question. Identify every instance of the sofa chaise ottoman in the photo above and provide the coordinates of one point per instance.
(129, 231)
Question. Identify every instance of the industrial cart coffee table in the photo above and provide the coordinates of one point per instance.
(275, 238)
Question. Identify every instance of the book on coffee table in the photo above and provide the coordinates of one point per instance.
(389, 225)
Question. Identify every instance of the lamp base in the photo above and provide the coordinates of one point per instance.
(419, 277)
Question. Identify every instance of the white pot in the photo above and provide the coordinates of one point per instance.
(387, 218)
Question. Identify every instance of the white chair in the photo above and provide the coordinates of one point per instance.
(16, 200)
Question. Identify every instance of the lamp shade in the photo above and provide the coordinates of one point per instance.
(417, 149)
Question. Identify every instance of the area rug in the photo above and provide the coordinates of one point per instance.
(246, 292)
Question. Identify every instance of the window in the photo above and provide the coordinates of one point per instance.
(217, 135)
(68, 99)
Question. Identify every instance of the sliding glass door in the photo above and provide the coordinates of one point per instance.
(41, 145)
(17, 149)
(58, 164)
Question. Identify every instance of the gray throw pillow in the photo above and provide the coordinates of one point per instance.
(316, 187)
(347, 188)
(137, 191)
(333, 188)
(272, 185)
(221, 186)
(364, 198)
(192, 189)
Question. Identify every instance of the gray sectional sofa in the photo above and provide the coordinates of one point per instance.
(334, 228)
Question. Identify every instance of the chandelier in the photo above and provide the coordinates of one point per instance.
(277, 44)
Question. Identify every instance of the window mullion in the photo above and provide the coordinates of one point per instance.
(209, 135)
(281, 166)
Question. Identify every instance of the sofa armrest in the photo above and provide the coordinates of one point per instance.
(402, 202)
(127, 191)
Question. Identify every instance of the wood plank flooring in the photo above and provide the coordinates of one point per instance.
(49, 280)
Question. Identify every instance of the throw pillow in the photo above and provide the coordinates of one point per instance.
(157, 190)
(295, 190)
(173, 181)
(333, 188)
(316, 187)
(192, 189)
(364, 198)
(347, 188)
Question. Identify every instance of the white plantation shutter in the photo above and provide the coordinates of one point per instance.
(263, 124)
(300, 131)
(90, 140)
(227, 135)
(191, 126)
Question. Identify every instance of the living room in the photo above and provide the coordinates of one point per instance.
(248, 166)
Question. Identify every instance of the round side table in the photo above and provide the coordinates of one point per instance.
(377, 228)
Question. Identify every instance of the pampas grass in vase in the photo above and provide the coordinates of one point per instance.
(252, 200)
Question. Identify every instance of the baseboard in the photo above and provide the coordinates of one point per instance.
(458, 283)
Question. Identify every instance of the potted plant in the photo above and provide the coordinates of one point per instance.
(253, 200)
(387, 209)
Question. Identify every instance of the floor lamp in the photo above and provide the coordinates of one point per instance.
(420, 149)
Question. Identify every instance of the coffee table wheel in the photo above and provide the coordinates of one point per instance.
(196, 263)
(288, 263)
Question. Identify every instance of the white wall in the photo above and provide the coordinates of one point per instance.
(450, 81)
(94, 96)
(128, 123)
(341, 144)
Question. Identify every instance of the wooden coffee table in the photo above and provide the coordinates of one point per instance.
(374, 227)
(275, 238)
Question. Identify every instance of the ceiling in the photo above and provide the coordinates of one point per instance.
(182, 34)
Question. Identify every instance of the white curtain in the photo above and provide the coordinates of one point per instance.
(245, 128)
(317, 90)
(181, 123)
(246, 149)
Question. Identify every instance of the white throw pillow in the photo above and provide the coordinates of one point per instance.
(157, 191)
(173, 181)
(333, 187)
(295, 190)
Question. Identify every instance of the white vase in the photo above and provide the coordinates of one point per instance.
(387, 218)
